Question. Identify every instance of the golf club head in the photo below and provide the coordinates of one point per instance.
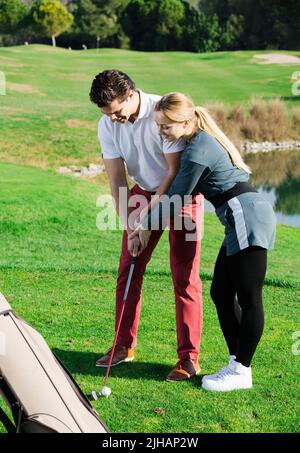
(94, 396)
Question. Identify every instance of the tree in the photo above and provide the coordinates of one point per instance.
(115, 10)
(154, 24)
(52, 17)
(268, 23)
(139, 23)
(89, 19)
(96, 19)
(232, 31)
(169, 28)
(191, 36)
(200, 32)
(212, 34)
(12, 13)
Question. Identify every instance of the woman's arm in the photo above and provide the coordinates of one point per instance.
(189, 175)
(173, 161)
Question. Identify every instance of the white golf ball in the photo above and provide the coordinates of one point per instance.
(106, 391)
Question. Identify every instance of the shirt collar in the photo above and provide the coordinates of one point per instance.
(144, 105)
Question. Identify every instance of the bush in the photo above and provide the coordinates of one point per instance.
(259, 121)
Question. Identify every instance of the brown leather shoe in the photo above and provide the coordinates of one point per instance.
(185, 369)
(121, 354)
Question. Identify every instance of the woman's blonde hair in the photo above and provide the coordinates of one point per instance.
(177, 107)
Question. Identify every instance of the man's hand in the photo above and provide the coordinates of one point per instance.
(143, 236)
(134, 246)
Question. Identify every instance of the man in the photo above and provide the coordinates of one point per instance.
(129, 135)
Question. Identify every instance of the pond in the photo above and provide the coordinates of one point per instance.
(276, 175)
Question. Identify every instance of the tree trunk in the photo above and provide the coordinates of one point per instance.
(53, 41)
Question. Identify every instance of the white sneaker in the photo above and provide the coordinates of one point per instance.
(210, 376)
(235, 376)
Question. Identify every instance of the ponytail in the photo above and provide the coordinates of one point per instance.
(206, 123)
(178, 108)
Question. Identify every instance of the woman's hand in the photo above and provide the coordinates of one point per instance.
(144, 212)
(143, 236)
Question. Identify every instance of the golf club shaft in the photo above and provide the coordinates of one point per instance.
(133, 259)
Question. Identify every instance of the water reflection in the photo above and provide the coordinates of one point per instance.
(277, 176)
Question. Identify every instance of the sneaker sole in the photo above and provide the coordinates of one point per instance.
(225, 390)
(129, 359)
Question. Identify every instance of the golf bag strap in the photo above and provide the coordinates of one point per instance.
(16, 407)
(8, 424)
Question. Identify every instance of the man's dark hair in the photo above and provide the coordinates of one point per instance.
(110, 85)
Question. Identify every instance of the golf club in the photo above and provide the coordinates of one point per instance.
(106, 391)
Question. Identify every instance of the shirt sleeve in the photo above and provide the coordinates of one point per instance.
(106, 141)
(174, 146)
(184, 184)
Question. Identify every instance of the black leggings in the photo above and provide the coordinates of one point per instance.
(240, 275)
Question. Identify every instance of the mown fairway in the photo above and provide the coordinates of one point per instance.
(49, 120)
(59, 271)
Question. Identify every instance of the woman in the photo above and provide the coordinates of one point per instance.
(211, 164)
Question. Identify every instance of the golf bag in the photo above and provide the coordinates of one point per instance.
(40, 392)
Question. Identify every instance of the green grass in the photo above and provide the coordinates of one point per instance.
(59, 272)
(58, 82)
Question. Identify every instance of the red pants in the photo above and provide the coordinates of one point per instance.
(185, 263)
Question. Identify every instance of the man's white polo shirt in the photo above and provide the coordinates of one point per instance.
(139, 145)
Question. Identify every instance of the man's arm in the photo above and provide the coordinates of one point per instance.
(117, 179)
(115, 169)
(173, 161)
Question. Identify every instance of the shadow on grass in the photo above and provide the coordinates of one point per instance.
(84, 363)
